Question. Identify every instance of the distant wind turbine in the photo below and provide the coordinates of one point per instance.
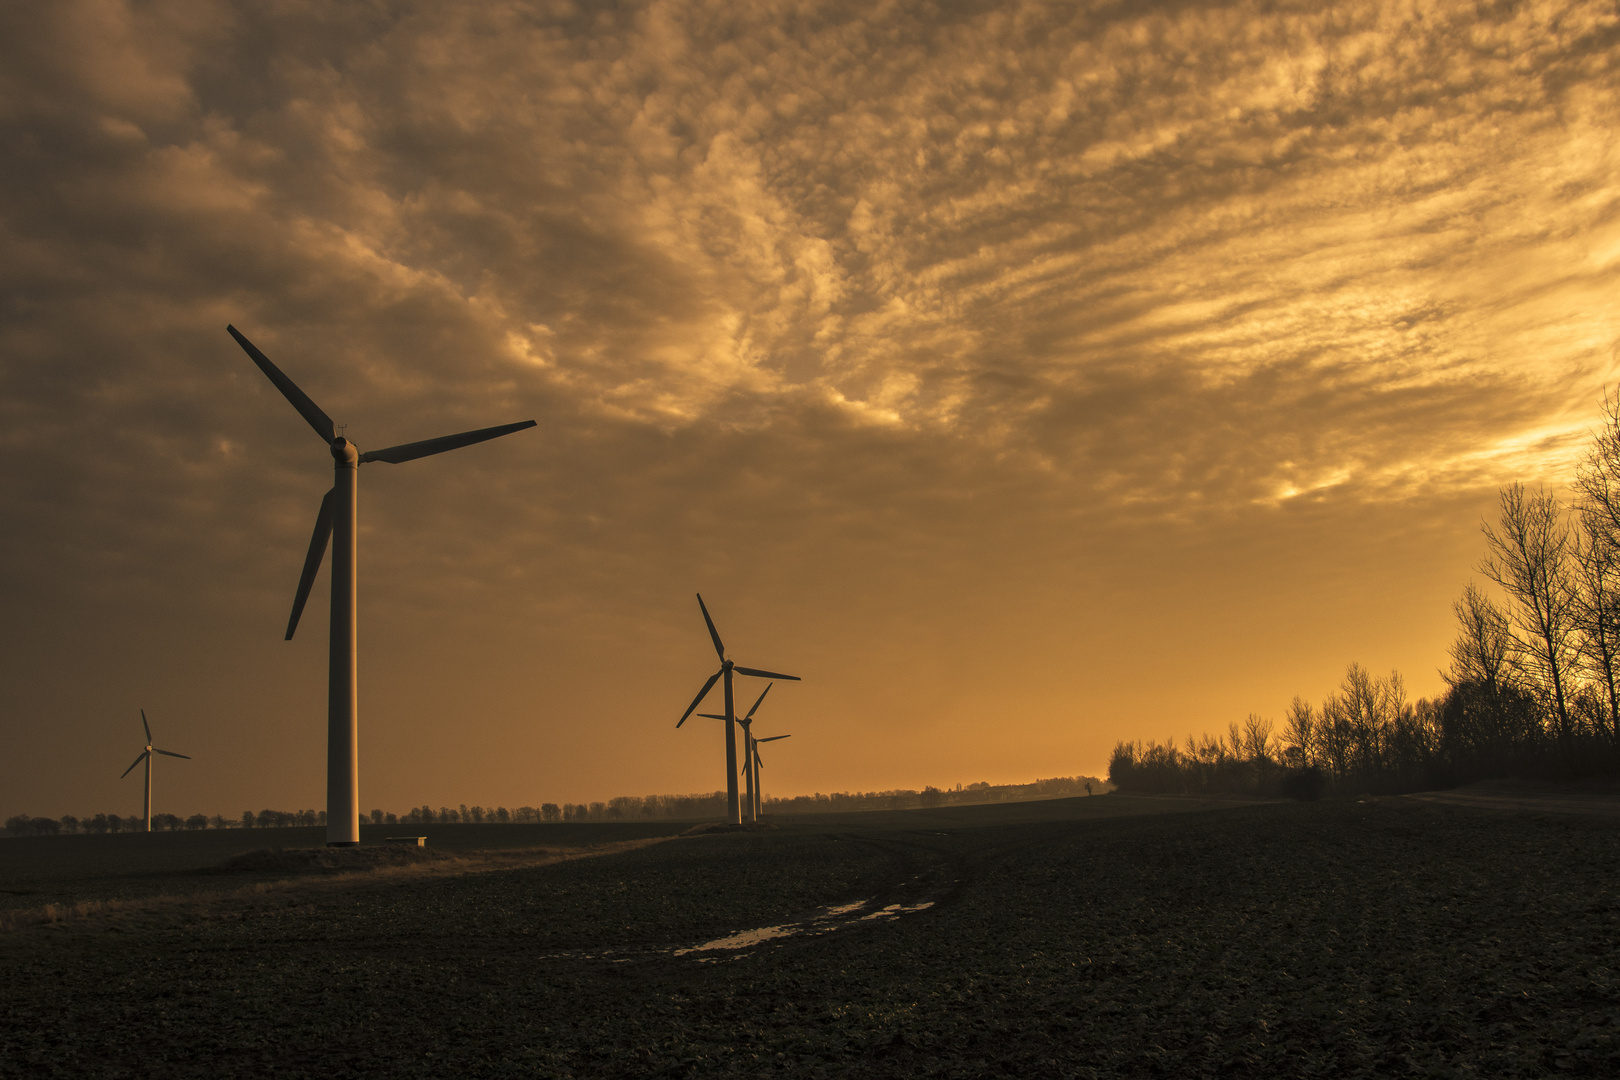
(146, 756)
(759, 784)
(337, 522)
(748, 751)
(733, 810)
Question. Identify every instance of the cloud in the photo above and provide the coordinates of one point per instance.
(797, 291)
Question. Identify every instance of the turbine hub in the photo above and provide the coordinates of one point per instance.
(345, 452)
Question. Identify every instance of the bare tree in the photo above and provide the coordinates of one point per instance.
(1257, 739)
(1362, 699)
(1335, 736)
(1529, 556)
(1300, 735)
(1597, 477)
(1483, 651)
(1597, 607)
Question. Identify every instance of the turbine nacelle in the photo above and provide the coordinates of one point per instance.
(345, 453)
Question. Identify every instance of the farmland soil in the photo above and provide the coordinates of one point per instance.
(1105, 937)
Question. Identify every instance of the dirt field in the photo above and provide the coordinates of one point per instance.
(1084, 937)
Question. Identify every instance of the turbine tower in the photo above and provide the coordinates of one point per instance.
(146, 756)
(337, 522)
(733, 810)
(748, 751)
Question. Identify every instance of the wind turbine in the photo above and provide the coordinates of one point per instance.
(337, 521)
(146, 756)
(748, 750)
(759, 763)
(733, 811)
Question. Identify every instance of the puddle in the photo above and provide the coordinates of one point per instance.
(825, 921)
(894, 911)
(743, 939)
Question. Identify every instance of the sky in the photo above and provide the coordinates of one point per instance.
(1025, 377)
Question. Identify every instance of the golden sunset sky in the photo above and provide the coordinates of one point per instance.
(1026, 377)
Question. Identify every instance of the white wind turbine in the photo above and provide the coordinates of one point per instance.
(146, 756)
(733, 809)
(759, 784)
(337, 521)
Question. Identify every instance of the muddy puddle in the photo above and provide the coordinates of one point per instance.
(730, 947)
(825, 921)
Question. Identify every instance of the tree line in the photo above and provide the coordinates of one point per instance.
(1532, 688)
(101, 824)
(706, 806)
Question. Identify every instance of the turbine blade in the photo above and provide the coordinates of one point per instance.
(306, 408)
(713, 633)
(410, 451)
(312, 561)
(713, 715)
(170, 753)
(147, 726)
(762, 694)
(132, 765)
(700, 695)
(758, 674)
(773, 738)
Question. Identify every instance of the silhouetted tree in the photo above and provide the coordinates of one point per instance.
(1528, 555)
(1300, 735)
(1484, 650)
(1597, 610)
(1597, 476)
